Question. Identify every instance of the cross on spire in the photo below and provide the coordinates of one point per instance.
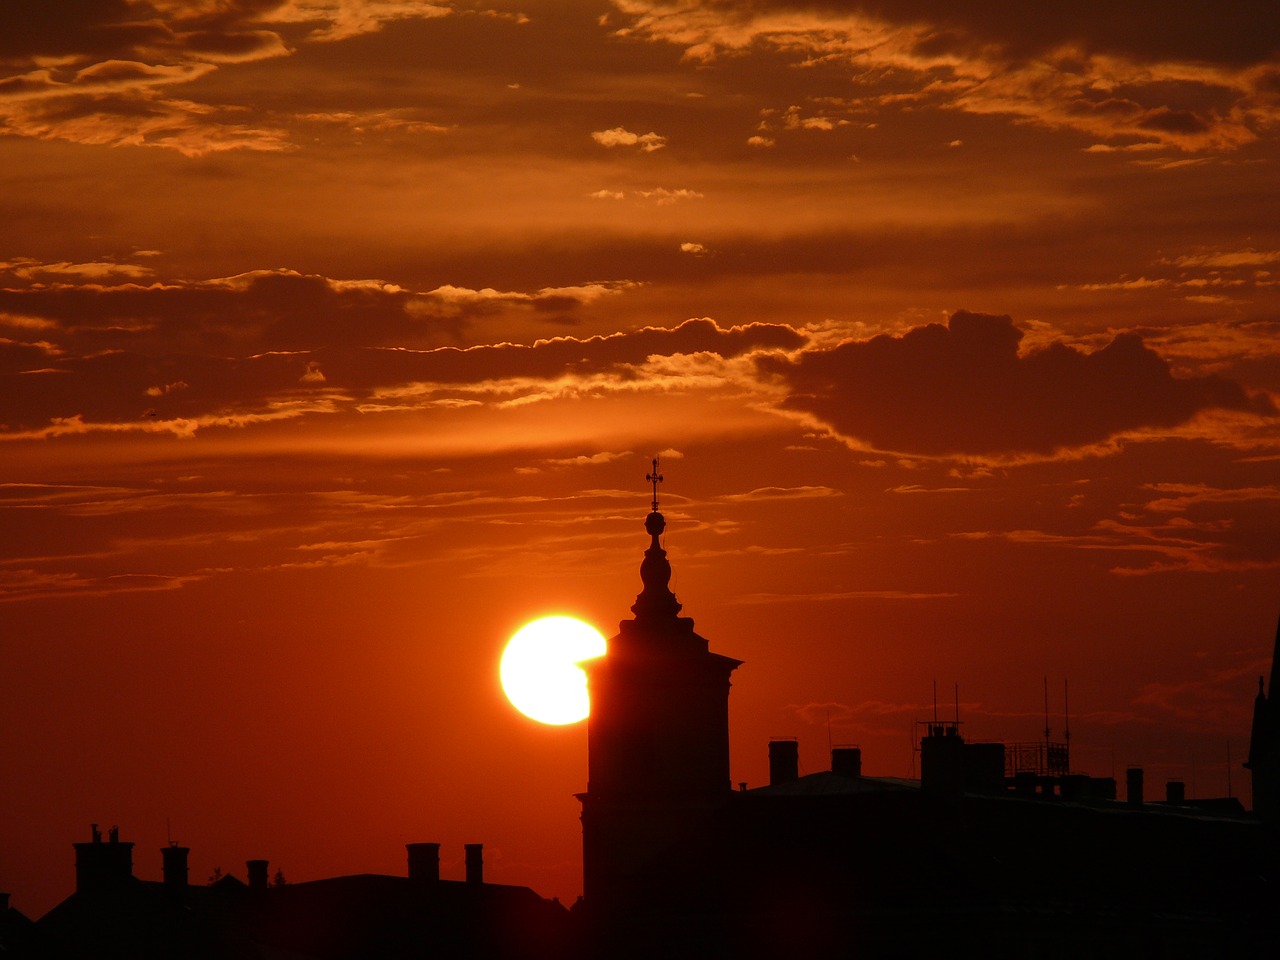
(654, 478)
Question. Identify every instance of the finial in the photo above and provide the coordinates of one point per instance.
(654, 478)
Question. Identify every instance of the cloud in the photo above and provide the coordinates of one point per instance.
(26, 268)
(964, 389)
(697, 249)
(102, 71)
(98, 73)
(783, 493)
(179, 357)
(1228, 259)
(335, 20)
(313, 373)
(588, 460)
(620, 137)
(453, 301)
(1143, 77)
(659, 196)
(407, 121)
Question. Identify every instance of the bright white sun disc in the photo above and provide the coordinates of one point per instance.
(540, 672)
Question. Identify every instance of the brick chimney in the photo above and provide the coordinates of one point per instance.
(175, 866)
(784, 761)
(257, 870)
(846, 761)
(1133, 784)
(101, 865)
(424, 861)
(475, 862)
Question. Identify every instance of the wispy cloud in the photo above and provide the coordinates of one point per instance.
(622, 137)
(951, 58)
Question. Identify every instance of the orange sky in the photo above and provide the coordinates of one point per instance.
(336, 338)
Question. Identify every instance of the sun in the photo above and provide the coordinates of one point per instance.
(540, 672)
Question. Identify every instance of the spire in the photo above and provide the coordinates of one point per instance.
(655, 601)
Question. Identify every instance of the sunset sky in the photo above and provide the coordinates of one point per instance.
(336, 339)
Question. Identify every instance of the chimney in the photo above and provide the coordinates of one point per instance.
(1133, 783)
(475, 862)
(1175, 792)
(257, 870)
(175, 866)
(100, 865)
(942, 762)
(847, 761)
(424, 861)
(784, 761)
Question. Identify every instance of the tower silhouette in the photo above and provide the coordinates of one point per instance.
(1264, 745)
(657, 737)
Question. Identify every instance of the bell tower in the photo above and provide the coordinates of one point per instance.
(657, 737)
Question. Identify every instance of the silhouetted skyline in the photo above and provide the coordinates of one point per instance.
(1000, 849)
(336, 340)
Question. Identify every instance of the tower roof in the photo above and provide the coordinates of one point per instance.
(655, 601)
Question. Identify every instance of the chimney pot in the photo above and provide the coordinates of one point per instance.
(1175, 792)
(784, 761)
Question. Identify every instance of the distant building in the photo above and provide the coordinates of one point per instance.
(112, 914)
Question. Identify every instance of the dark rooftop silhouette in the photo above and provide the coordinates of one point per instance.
(997, 850)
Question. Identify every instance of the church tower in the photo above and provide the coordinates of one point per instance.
(657, 737)
(1264, 745)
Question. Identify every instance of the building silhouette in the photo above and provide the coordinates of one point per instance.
(997, 850)
(657, 739)
(1264, 745)
(113, 914)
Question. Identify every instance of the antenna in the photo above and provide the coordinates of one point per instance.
(654, 478)
(1229, 793)
(935, 699)
(828, 730)
(957, 704)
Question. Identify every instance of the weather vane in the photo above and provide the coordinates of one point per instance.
(655, 478)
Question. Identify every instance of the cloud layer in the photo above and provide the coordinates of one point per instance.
(964, 388)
